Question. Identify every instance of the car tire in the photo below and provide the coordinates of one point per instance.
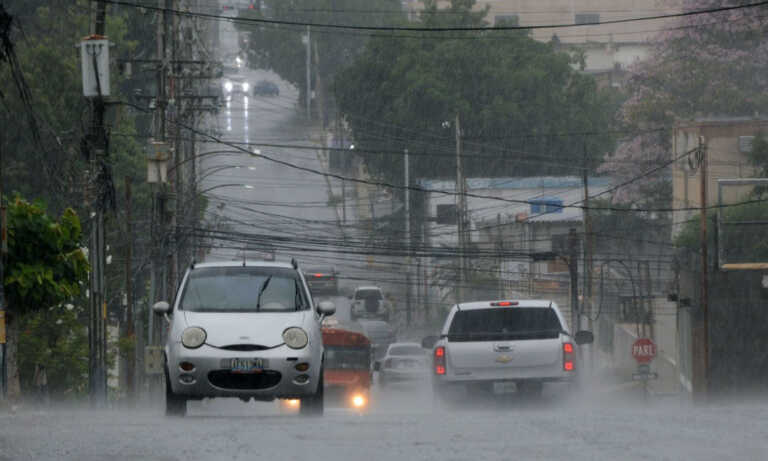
(175, 404)
(314, 405)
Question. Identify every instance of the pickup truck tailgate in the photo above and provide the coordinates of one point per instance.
(504, 354)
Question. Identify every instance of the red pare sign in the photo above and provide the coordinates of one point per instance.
(643, 350)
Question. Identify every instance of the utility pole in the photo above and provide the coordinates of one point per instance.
(460, 211)
(309, 75)
(130, 369)
(3, 252)
(702, 153)
(408, 292)
(97, 141)
(176, 186)
(587, 262)
(573, 269)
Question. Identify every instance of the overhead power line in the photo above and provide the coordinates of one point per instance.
(294, 166)
(436, 29)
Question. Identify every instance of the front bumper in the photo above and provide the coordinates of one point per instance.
(279, 379)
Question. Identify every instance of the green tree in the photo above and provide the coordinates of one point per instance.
(514, 95)
(56, 339)
(737, 243)
(45, 268)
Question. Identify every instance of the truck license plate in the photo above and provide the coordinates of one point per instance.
(504, 387)
(241, 365)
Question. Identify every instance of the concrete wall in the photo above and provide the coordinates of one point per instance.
(724, 159)
(738, 330)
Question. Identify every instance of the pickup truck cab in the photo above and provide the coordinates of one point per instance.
(503, 346)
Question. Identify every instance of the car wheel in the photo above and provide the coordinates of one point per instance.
(314, 405)
(175, 405)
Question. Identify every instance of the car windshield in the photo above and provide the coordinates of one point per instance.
(368, 293)
(406, 350)
(504, 324)
(347, 357)
(239, 289)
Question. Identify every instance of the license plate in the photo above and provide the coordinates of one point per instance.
(504, 387)
(241, 365)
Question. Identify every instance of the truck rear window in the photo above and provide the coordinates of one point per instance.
(504, 324)
(368, 294)
(347, 357)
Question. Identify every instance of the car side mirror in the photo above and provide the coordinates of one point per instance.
(161, 308)
(326, 308)
(428, 342)
(377, 366)
(584, 337)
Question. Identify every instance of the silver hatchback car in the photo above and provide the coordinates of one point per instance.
(247, 330)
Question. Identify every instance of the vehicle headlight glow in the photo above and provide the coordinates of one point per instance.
(228, 86)
(358, 401)
(193, 337)
(295, 338)
(246, 86)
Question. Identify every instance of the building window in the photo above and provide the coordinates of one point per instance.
(446, 214)
(587, 18)
(506, 20)
(546, 205)
(745, 144)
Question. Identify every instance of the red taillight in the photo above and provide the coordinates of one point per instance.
(568, 357)
(504, 303)
(440, 360)
(319, 275)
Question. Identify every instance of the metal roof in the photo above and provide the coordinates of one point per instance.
(532, 182)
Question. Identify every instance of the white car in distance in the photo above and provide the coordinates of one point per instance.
(236, 85)
(246, 330)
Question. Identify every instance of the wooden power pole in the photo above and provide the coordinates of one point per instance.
(704, 350)
(461, 215)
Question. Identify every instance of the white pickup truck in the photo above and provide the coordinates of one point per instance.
(368, 302)
(503, 346)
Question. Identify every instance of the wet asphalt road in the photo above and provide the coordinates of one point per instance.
(401, 425)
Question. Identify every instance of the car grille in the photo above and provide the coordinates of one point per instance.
(245, 347)
(225, 379)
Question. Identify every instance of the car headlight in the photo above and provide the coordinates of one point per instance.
(295, 338)
(246, 86)
(228, 86)
(193, 337)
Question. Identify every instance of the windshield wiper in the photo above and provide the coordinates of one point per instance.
(261, 292)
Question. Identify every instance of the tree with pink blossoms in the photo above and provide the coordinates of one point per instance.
(712, 64)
